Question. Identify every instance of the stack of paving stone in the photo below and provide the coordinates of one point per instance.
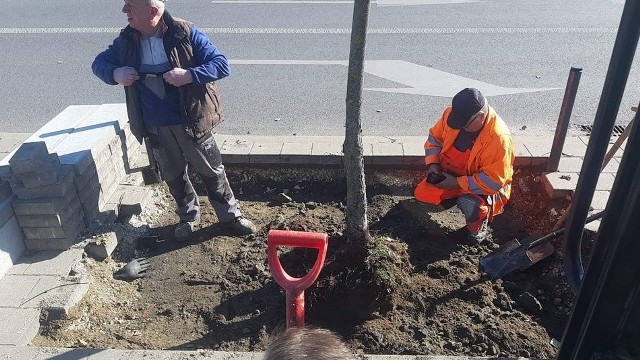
(101, 150)
(73, 185)
(47, 205)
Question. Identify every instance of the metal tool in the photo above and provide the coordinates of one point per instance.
(295, 287)
(517, 255)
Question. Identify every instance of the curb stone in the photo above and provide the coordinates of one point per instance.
(41, 353)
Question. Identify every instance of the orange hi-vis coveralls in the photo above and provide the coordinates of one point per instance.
(483, 172)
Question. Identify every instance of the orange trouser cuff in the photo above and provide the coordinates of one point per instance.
(428, 193)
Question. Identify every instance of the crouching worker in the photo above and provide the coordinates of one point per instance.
(469, 157)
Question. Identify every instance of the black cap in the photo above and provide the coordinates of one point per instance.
(464, 105)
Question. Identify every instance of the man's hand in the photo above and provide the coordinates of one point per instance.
(125, 75)
(450, 182)
(178, 77)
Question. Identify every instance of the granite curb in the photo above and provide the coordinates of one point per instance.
(40, 353)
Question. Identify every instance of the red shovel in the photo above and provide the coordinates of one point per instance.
(294, 287)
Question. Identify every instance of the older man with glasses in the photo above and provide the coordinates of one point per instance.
(469, 156)
(168, 68)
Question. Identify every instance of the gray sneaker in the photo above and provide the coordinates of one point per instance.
(184, 229)
(240, 226)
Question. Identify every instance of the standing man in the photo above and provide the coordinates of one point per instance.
(168, 68)
(469, 156)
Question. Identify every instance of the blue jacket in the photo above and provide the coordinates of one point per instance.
(186, 47)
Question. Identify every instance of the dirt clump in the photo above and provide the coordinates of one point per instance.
(417, 290)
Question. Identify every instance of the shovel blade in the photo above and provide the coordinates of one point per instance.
(514, 255)
(539, 252)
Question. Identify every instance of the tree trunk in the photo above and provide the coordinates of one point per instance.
(357, 226)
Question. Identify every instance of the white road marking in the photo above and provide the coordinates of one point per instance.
(347, 2)
(418, 79)
(499, 31)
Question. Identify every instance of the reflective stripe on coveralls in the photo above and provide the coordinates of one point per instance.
(488, 169)
(474, 207)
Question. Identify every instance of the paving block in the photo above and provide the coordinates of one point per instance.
(29, 157)
(413, 147)
(50, 244)
(46, 175)
(133, 179)
(5, 190)
(559, 184)
(139, 160)
(386, 153)
(329, 153)
(58, 297)
(574, 164)
(5, 170)
(74, 209)
(6, 210)
(265, 153)
(101, 246)
(574, 146)
(54, 263)
(44, 206)
(523, 155)
(538, 146)
(600, 199)
(295, 153)
(367, 152)
(133, 199)
(60, 188)
(70, 229)
(91, 136)
(18, 326)
(57, 129)
(12, 245)
(236, 151)
(17, 290)
(89, 193)
(593, 226)
(90, 177)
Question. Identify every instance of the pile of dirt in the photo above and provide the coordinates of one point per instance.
(418, 291)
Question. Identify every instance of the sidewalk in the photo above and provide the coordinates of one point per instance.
(37, 278)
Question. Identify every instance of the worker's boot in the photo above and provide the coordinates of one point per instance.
(240, 226)
(477, 237)
(184, 229)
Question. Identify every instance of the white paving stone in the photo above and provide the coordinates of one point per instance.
(18, 326)
(47, 263)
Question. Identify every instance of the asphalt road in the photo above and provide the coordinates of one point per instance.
(289, 60)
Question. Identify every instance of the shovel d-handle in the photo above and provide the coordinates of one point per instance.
(294, 287)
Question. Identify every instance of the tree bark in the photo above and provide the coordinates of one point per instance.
(357, 230)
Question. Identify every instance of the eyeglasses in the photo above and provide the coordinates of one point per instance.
(473, 118)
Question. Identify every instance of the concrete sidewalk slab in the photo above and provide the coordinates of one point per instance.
(41, 353)
(18, 327)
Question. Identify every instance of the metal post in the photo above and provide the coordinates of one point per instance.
(617, 228)
(605, 315)
(570, 92)
(612, 91)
